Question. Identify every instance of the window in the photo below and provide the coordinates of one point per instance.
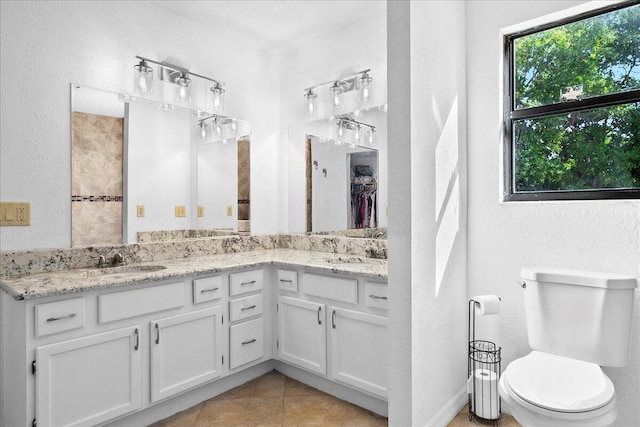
(572, 108)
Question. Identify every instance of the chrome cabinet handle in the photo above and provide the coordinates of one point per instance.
(319, 321)
(248, 283)
(286, 280)
(248, 308)
(157, 334)
(68, 316)
(376, 297)
(209, 290)
(248, 342)
(137, 334)
(523, 284)
(333, 319)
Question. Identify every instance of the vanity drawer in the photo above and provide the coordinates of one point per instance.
(375, 295)
(59, 316)
(334, 288)
(288, 280)
(245, 282)
(246, 342)
(207, 289)
(123, 305)
(242, 308)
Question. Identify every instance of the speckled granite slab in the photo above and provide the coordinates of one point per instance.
(82, 280)
(166, 235)
(17, 264)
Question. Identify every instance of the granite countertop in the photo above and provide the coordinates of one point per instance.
(82, 280)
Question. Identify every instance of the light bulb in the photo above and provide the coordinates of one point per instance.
(340, 131)
(335, 90)
(217, 97)
(370, 137)
(356, 135)
(364, 92)
(233, 125)
(142, 83)
(203, 131)
(143, 77)
(183, 93)
(218, 128)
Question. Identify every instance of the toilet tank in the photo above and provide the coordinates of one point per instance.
(580, 314)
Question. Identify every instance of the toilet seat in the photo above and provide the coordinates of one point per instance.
(559, 383)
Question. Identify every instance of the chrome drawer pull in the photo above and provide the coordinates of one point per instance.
(286, 280)
(319, 322)
(69, 316)
(376, 297)
(248, 283)
(248, 308)
(248, 342)
(137, 334)
(209, 290)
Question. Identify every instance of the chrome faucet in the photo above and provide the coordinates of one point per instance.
(118, 259)
(102, 262)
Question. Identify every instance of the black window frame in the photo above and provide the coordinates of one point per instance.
(511, 114)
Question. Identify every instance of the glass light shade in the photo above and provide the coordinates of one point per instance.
(143, 78)
(203, 130)
(183, 91)
(364, 91)
(217, 127)
(357, 134)
(310, 102)
(216, 98)
(336, 95)
(371, 137)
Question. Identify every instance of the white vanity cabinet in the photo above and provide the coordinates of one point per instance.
(302, 333)
(186, 351)
(330, 326)
(88, 380)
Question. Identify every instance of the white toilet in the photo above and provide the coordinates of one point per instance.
(577, 321)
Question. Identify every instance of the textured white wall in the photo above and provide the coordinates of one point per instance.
(48, 45)
(504, 237)
(427, 211)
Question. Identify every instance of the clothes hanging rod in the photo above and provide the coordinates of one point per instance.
(180, 69)
(347, 77)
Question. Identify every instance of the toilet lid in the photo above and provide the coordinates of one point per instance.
(559, 383)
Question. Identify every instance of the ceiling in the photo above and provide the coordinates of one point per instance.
(278, 26)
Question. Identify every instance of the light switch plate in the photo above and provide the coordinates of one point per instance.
(229, 211)
(15, 214)
(200, 211)
(140, 210)
(181, 211)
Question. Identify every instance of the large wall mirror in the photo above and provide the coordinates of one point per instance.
(144, 172)
(338, 178)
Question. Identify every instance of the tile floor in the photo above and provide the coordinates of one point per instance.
(277, 400)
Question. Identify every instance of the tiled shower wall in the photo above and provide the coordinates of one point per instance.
(96, 179)
(244, 187)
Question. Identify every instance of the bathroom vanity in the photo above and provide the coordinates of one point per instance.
(90, 347)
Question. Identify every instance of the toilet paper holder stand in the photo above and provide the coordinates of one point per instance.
(483, 371)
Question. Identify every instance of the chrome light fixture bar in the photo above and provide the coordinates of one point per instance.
(344, 122)
(143, 81)
(356, 81)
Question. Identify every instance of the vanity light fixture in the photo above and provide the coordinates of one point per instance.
(346, 123)
(359, 81)
(202, 130)
(178, 76)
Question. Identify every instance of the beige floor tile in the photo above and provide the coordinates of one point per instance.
(323, 410)
(376, 420)
(462, 420)
(296, 388)
(264, 412)
(186, 418)
(270, 384)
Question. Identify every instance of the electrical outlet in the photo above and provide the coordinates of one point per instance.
(229, 211)
(181, 211)
(15, 213)
(200, 211)
(140, 210)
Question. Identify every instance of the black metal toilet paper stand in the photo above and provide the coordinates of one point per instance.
(483, 373)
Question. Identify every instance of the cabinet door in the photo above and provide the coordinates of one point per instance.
(302, 334)
(359, 350)
(89, 380)
(186, 351)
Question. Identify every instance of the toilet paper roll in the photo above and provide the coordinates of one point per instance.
(485, 398)
(486, 304)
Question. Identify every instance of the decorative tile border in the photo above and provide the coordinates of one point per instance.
(96, 198)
